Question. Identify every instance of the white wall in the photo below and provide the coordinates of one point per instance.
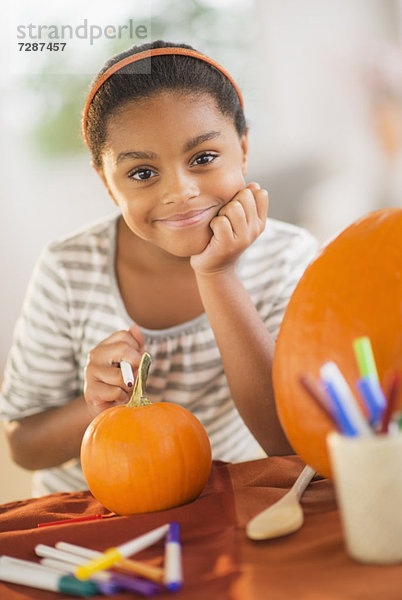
(315, 104)
(38, 202)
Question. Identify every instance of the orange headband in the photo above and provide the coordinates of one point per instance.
(147, 54)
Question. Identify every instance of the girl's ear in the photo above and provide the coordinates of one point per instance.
(105, 183)
(244, 149)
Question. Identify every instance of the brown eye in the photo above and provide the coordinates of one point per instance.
(142, 174)
(204, 158)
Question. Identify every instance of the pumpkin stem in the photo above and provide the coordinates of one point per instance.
(139, 398)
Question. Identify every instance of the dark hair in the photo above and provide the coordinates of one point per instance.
(140, 80)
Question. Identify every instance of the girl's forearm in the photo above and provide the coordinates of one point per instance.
(247, 350)
(49, 438)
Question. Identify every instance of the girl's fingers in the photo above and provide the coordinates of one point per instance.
(255, 202)
(262, 203)
(110, 355)
(222, 228)
(247, 201)
(105, 389)
(253, 185)
(233, 213)
(107, 374)
(132, 337)
(103, 396)
(98, 373)
(104, 384)
(106, 395)
(135, 331)
(246, 213)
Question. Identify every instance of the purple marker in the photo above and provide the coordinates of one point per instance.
(136, 585)
(173, 569)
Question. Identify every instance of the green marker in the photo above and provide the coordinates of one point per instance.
(365, 357)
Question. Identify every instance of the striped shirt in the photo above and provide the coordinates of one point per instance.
(73, 303)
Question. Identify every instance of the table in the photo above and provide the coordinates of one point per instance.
(219, 562)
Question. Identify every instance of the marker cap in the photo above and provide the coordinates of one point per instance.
(70, 585)
(173, 534)
(106, 560)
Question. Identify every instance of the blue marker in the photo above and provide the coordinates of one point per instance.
(373, 397)
(346, 411)
(341, 418)
(173, 569)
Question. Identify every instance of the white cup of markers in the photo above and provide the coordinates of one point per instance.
(366, 457)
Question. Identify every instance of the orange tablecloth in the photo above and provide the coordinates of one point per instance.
(219, 562)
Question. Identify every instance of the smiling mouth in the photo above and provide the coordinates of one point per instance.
(193, 217)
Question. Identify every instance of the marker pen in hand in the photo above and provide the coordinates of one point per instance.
(127, 373)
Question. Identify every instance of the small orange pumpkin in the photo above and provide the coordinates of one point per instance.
(145, 456)
(352, 289)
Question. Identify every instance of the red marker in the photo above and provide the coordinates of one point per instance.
(391, 402)
(74, 520)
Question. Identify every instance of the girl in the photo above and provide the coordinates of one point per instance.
(188, 259)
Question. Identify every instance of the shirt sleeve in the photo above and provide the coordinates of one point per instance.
(41, 370)
(299, 253)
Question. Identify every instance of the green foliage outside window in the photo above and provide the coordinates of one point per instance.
(221, 32)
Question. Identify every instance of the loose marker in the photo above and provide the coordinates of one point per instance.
(173, 568)
(125, 565)
(114, 555)
(74, 520)
(46, 580)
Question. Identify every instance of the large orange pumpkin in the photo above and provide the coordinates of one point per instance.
(352, 289)
(145, 456)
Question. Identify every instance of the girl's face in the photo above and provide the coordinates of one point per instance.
(170, 163)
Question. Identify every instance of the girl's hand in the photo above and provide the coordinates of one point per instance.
(104, 386)
(235, 227)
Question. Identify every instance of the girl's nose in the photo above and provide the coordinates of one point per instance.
(179, 188)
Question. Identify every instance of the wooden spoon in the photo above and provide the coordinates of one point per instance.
(283, 517)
